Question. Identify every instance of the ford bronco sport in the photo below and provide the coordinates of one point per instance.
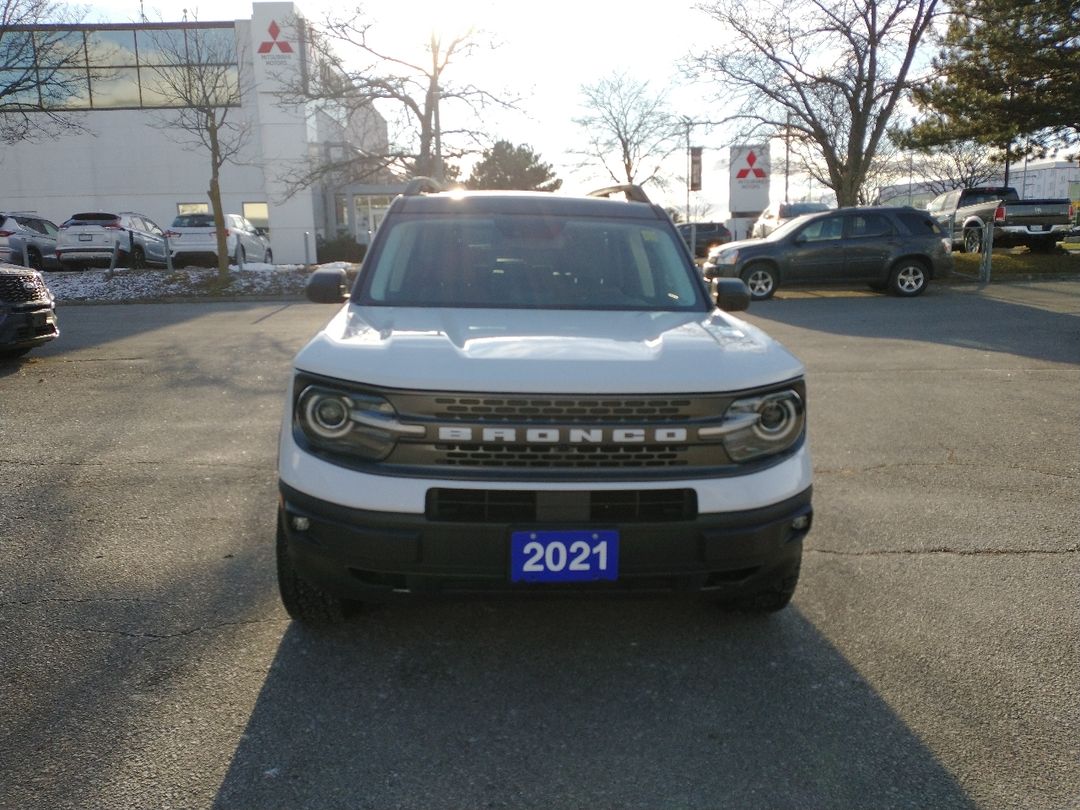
(529, 392)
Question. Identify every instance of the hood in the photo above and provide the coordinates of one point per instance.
(546, 351)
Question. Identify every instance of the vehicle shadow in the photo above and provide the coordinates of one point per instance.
(964, 317)
(640, 704)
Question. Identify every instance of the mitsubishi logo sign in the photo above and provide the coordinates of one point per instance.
(268, 46)
(751, 160)
(279, 45)
(748, 178)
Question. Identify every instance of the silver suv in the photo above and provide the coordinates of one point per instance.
(28, 239)
(91, 238)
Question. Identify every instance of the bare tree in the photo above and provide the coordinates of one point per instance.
(40, 70)
(200, 79)
(828, 72)
(629, 128)
(959, 164)
(419, 92)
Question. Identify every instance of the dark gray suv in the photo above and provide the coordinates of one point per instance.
(27, 311)
(898, 249)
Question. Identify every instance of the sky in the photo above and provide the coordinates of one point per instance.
(544, 54)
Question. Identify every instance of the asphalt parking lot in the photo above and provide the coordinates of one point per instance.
(929, 658)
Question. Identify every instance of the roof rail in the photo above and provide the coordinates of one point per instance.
(633, 192)
(423, 185)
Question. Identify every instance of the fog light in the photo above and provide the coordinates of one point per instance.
(301, 524)
(800, 523)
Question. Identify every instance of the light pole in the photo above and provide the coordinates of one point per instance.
(436, 95)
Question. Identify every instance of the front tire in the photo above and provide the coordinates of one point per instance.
(908, 278)
(138, 258)
(770, 596)
(304, 601)
(761, 281)
(268, 258)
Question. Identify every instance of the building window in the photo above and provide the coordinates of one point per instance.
(192, 208)
(132, 67)
(258, 214)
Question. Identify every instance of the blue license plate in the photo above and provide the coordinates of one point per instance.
(564, 556)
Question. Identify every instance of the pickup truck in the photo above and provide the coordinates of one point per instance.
(963, 214)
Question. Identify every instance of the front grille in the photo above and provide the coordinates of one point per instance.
(519, 413)
(600, 506)
(21, 288)
(562, 409)
(604, 437)
(575, 457)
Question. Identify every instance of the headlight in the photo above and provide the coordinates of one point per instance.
(727, 257)
(349, 422)
(759, 426)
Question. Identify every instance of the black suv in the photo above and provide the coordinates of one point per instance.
(27, 311)
(705, 235)
(899, 249)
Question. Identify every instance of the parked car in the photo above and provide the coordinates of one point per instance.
(529, 392)
(900, 249)
(705, 235)
(27, 310)
(193, 240)
(27, 239)
(778, 213)
(964, 213)
(91, 237)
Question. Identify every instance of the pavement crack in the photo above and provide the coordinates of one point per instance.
(89, 600)
(958, 552)
(129, 463)
(146, 636)
(949, 462)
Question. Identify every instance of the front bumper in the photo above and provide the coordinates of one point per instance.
(371, 555)
(87, 255)
(27, 328)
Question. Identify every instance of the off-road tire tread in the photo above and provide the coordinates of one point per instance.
(304, 601)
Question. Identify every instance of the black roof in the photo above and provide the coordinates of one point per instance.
(536, 203)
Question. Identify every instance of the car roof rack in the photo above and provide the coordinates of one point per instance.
(423, 185)
(633, 192)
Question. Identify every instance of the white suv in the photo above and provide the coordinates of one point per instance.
(528, 392)
(27, 239)
(193, 239)
(100, 237)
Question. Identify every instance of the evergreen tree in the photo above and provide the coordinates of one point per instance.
(508, 167)
(1005, 77)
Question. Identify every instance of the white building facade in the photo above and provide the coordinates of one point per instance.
(129, 157)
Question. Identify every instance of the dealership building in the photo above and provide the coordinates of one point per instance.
(130, 154)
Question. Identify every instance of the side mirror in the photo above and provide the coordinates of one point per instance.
(732, 294)
(328, 286)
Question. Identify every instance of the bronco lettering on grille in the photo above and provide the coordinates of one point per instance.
(558, 435)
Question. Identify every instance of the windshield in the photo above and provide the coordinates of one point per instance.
(194, 221)
(529, 261)
(788, 227)
(790, 210)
